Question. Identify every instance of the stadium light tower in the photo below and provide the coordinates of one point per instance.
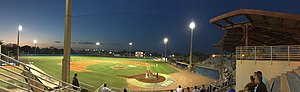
(165, 43)
(192, 26)
(98, 43)
(130, 44)
(20, 28)
(35, 41)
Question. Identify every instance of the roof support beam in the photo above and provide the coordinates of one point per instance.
(238, 25)
(249, 18)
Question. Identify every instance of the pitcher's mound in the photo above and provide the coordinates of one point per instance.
(151, 79)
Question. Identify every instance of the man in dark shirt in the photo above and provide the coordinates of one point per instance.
(75, 81)
(260, 86)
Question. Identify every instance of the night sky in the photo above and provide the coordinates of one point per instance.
(114, 23)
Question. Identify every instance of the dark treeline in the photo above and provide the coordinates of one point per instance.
(11, 49)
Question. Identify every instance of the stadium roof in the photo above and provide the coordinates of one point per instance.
(249, 27)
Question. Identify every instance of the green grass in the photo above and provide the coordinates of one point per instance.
(102, 72)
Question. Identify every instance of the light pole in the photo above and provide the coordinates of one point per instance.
(1, 42)
(192, 26)
(18, 40)
(98, 43)
(130, 44)
(67, 44)
(35, 41)
(165, 43)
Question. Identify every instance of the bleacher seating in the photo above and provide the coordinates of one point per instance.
(287, 82)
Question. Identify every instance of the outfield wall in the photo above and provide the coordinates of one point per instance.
(208, 72)
(270, 69)
(211, 73)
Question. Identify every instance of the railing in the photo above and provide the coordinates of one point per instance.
(283, 52)
(32, 81)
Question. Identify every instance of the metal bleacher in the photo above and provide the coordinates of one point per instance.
(27, 81)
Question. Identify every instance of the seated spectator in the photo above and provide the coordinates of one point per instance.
(202, 89)
(179, 89)
(195, 89)
(231, 89)
(250, 86)
(105, 88)
(188, 89)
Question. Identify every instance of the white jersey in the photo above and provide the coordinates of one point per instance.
(105, 89)
(179, 90)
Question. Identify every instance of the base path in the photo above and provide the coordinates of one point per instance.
(182, 77)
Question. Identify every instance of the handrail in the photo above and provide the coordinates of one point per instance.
(24, 76)
(7, 76)
(38, 72)
(27, 77)
(99, 88)
(282, 52)
(80, 82)
(13, 85)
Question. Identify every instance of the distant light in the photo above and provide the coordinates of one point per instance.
(214, 55)
(102, 49)
(150, 54)
(192, 25)
(243, 55)
(97, 43)
(130, 43)
(35, 41)
(173, 55)
(20, 28)
(110, 52)
(166, 40)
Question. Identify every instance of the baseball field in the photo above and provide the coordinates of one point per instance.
(98, 70)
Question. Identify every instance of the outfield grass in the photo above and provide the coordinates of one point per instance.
(102, 72)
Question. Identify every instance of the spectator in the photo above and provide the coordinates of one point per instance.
(195, 89)
(246, 89)
(250, 86)
(188, 89)
(209, 88)
(179, 89)
(125, 90)
(105, 88)
(231, 90)
(264, 80)
(75, 82)
(260, 86)
(202, 89)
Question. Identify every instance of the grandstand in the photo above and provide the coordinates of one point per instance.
(266, 41)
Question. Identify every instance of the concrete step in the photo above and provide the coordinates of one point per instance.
(284, 83)
(294, 81)
(276, 86)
